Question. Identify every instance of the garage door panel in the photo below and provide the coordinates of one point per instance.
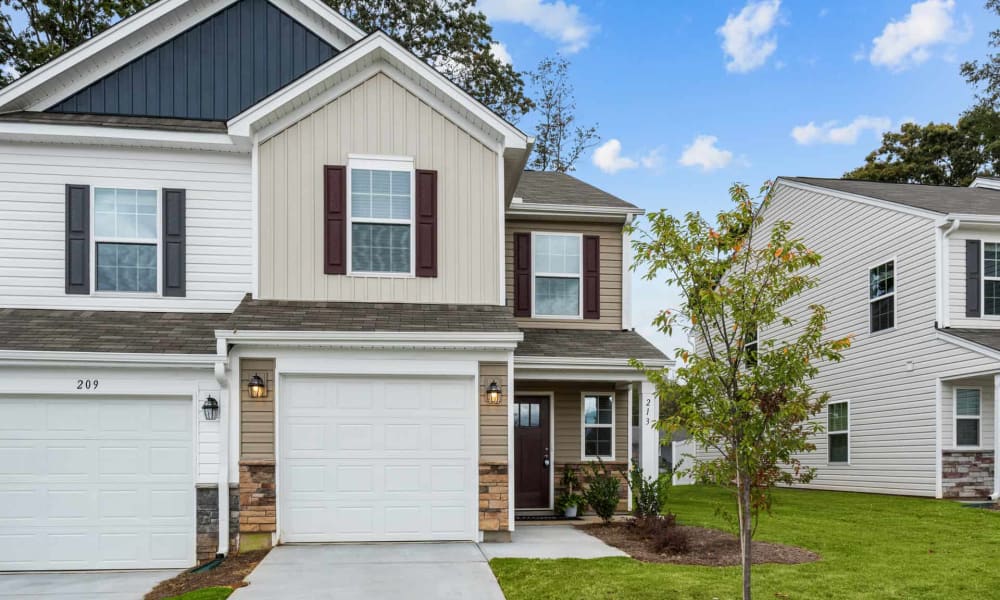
(95, 491)
(395, 459)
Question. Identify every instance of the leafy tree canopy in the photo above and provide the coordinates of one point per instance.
(559, 140)
(937, 153)
(986, 75)
(451, 35)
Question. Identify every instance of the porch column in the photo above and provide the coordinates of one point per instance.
(649, 436)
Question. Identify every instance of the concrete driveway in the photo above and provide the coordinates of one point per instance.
(109, 585)
(451, 571)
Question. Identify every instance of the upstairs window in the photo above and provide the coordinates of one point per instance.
(991, 278)
(598, 426)
(838, 432)
(126, 240)
(558, 268)
(381, 214)
(882, 296)
(750, 345)
(968, 416)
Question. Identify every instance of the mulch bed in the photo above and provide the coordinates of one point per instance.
(706, 547)
(229, 573)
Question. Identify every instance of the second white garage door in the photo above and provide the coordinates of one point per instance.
(377, 459)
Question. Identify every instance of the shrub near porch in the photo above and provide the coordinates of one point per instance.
(871, 547)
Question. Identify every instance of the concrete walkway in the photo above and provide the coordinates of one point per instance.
(83, 585)
(452, 571)
(550, 541)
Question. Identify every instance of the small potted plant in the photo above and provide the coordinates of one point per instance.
(569, 502)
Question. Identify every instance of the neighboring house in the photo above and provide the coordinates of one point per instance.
(912, 272)
(251, 258)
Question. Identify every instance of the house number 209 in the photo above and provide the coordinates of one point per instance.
(87, 384)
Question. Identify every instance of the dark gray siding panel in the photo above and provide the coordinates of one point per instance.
(213, 71)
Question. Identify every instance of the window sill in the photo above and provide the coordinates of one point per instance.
(596, 458)
(143, 295)
(838, 464)
(558, 317)
(361, 274)
(882, 331)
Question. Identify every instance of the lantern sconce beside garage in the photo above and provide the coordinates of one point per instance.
(211, 409)
(257, 387)
(493, 394)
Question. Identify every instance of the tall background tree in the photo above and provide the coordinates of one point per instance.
(751, 406)
(942, 153)
(559, 140)
(451, 35)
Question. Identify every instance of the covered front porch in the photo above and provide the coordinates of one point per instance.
(575, 412)
(967, 436)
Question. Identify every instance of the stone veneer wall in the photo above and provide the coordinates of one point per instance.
(967, 474)
(208, 521)
(583, 474)
(258, 506)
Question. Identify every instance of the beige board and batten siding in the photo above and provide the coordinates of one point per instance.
(888, 377)
(611, 271)
(256, 414)
(493, 418)
(33, 179)
(379, 117)
(568, 417)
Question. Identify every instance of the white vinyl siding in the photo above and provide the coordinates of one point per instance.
(890, 377)
(955, 277)
(33, 179)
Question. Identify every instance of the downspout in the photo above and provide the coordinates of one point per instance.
(944, 318)
(996, 438)
(220, 377)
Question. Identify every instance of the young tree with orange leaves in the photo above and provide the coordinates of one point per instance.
(747, 401)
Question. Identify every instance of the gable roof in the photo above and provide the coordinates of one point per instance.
(587, 343)
(552, 188)
(939, 199)
(138, 34)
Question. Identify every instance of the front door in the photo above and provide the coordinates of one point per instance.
(531, 452)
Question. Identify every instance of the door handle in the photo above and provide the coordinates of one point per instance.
(545, 459)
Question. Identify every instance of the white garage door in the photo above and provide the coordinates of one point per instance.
(96, 483)
(387, 459)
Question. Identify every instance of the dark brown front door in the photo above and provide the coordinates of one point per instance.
(531, 452)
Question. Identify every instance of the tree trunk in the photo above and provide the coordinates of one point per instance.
(745, 547)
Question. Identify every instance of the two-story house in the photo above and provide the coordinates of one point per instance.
(912, 272)
(257, 264)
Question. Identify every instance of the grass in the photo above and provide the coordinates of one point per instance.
(870, 546)
(211, 593)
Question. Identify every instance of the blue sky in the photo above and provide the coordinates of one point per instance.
(655, 76)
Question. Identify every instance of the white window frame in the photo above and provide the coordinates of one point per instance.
(847, 431)
(956, 417)
(584, 425)
(894, 295)
(534, 274)
(135, 241)
(984, 278)
(382, 163)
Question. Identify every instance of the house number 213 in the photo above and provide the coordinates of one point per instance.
(87, 384)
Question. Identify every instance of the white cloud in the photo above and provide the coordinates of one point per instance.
(908, 42)
(704, 153)
(745, 36)
(830, 133)
(500, 52)
(608, 158)
(554, 19)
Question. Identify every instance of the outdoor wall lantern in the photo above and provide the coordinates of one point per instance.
(493, 393)
(258, 389)
(211, 408)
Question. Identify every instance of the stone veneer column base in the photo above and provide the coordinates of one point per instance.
(494, 501)
(207, 514)
(258, 506)
(967, 474)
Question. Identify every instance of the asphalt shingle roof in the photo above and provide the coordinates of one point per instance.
(108, 331)
(984, 337)
(286, 315)
(587, 343)
(129, 122)
(938, 198)
(549, 187)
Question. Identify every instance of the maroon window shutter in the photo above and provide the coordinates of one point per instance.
(591, 277)
(426, 224)
(335, 220)
(522, 274)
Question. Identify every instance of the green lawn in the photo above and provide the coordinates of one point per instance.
(212, 593)
(871, 547)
